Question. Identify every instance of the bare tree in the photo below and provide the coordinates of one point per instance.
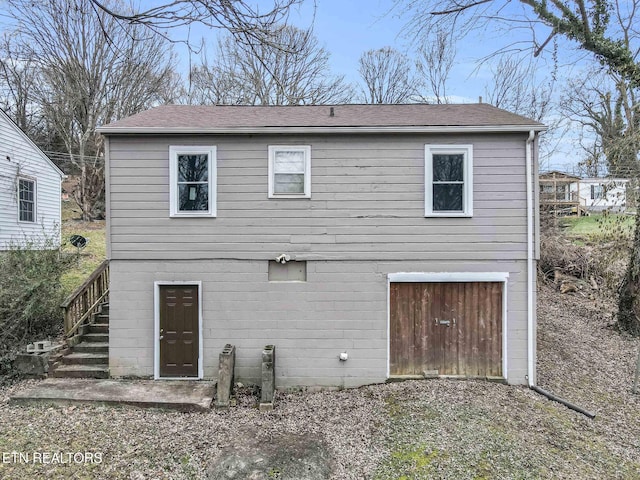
(18, 80)
(387, 77)
(590, 28)
(297, 74)
(435, 60)
(607, 110)
(514, 87)
(244, 20)
(87, 79)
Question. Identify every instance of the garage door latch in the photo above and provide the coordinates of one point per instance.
(446, 323)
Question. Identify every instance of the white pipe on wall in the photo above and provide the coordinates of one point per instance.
(530, 272)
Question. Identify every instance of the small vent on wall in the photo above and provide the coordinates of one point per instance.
(288, 272)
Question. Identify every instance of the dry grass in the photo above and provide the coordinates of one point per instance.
(603, 261)
(92, 255)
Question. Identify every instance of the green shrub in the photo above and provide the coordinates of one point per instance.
(30, 294)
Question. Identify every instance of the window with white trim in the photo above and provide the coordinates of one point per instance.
(289, 171)
(448, 180)
(26, 200)
(192, 176)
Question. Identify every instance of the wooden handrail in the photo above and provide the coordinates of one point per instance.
(84, 301)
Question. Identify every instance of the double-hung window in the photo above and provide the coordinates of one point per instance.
(26, 200)
(192, 173)
(448, 180)
(289, 171)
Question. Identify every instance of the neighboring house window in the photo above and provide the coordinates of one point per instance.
(26, 200)
(597, 192)
(448, 180)
(192, 173)
(289, 171)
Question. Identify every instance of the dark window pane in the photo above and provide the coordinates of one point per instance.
(193, 197)
(447, 197)
(26, 189)
(193, 168)
(26, 197)
(288, 183)
(26, 211)
(448, 168)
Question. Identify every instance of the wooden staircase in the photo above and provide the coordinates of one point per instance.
(89, 357)
(86, 328)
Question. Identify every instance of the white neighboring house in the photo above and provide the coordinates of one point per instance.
(598, 194)
(30, 189)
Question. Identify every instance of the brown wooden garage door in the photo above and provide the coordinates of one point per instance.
(446, 329)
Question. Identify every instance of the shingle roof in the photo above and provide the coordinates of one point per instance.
(195, 119)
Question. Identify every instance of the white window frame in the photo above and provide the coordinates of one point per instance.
(467, 190)
(35, 198)
(210, 151)
(306, 149)
(598, 192)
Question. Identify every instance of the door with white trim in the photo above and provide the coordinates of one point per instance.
(179, 330)
(446, 328)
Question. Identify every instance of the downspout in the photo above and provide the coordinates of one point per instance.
(530, 277)
(530, 319)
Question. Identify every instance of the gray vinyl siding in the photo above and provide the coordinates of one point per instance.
(367, 201)
(341, 307)
(21, 158)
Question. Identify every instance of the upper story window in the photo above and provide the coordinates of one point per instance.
(289, 171)
(448, 180)
(26, 200)
(192, 173)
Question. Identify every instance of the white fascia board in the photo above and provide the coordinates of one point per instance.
(106, 130)
(413, 277)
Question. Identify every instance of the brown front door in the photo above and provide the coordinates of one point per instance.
(446, 329)
(179, 335)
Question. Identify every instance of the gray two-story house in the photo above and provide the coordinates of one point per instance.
(363, 241)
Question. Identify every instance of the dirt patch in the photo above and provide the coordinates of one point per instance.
(255, 455)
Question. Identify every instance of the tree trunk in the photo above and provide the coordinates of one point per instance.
(82, 197)
(629, 293)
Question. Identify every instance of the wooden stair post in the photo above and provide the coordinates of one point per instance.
(86, 322)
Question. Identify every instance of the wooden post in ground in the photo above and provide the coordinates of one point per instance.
(635, 380)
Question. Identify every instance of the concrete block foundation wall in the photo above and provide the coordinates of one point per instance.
(341, 307)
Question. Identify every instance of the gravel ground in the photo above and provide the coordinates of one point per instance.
(410, 430)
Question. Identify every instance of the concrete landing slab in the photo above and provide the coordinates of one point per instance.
(184, 396)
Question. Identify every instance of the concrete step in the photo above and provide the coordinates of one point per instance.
(99, 328)
(102, 318)
(82, 358)
(80, 371)
(95, 337)
(91, 347)
(181, 395)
